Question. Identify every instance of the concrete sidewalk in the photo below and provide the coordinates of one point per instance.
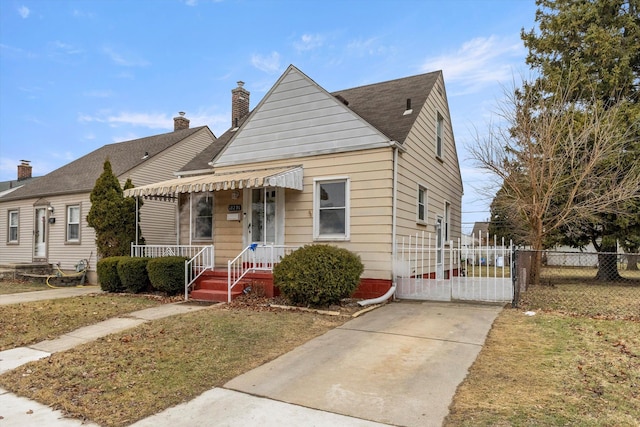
(399, 364)
(66, 292)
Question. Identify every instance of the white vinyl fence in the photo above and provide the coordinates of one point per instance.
(464, 272)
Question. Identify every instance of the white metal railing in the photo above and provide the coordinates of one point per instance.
(201, 258)
(477, 270)
(255, 257)
(193, 268)
(156, 251)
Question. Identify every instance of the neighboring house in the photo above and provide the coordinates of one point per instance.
(24, 176)
(44, 221)
(354, 168)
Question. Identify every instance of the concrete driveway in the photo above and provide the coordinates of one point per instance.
(399, 364)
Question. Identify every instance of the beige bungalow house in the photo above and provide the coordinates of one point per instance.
(356, 168)
(43, 222)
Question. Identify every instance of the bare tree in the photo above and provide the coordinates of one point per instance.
(559, 161)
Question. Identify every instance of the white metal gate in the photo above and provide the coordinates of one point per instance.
(474, 270)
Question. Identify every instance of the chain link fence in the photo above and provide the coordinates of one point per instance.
(597, 285)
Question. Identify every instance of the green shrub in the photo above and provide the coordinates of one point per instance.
(132, 272)
(318, 275)
(167, 274)
(107, 269)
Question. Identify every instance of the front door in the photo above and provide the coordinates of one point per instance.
(265, 217)
(40, 234)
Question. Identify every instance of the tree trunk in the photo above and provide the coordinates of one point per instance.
(632, 262)
(607, 259)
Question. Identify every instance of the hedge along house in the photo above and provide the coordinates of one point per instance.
(44, 221)
(354, 168)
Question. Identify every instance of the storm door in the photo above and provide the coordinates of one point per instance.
(40, 234)
(265, 219)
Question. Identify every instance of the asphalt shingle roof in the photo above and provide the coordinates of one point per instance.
(80, 175)
(383, 104)
(380, 104)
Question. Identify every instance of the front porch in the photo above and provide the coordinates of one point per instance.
(251, 269)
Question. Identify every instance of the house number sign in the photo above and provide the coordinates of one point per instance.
(234, 208)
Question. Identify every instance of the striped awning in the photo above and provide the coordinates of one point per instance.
(287, 177)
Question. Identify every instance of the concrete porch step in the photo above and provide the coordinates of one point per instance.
(213, 294)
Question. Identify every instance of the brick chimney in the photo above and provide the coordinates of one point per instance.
(180, 122)
(239, 104)
(24, 170)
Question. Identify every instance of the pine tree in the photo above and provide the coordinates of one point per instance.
(111, 215)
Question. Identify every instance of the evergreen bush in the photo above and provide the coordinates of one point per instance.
(167, 274)
(107, 269)
(133, 275)
(318, 275)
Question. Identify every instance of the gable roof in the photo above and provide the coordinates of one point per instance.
(200, 163)
(80, 175)
(383, 104)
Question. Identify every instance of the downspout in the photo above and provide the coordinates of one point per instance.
(394, 205)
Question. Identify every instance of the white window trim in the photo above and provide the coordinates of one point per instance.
(17, 226)
(439, 148)
(193, 200)
(68, 223)
(316, 209)
(422, 221)
(447, 222)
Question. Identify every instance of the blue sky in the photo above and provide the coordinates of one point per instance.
(76, 75)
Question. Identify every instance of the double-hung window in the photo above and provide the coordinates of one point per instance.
(202, 217)
(73, 223)
(421, 214)
(331, 209)
(14, 221)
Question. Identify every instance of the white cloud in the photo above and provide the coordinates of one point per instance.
(152, 121)
(309, 42)
(269, 64)
(125, 59)
(147, 120)
(65, 48)
(24, 11)
(370, 46)
(479, 63)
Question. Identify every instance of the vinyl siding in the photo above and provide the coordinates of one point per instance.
(420, 166)
(370, 174)
(58, 249)
(297, 118)
(158, 217)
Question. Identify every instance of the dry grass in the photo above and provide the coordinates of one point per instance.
(28, 323)
(15, 286)
(553, 370)
(128, 376)
(612, 302)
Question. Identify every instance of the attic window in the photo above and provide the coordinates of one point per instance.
(409, 110)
